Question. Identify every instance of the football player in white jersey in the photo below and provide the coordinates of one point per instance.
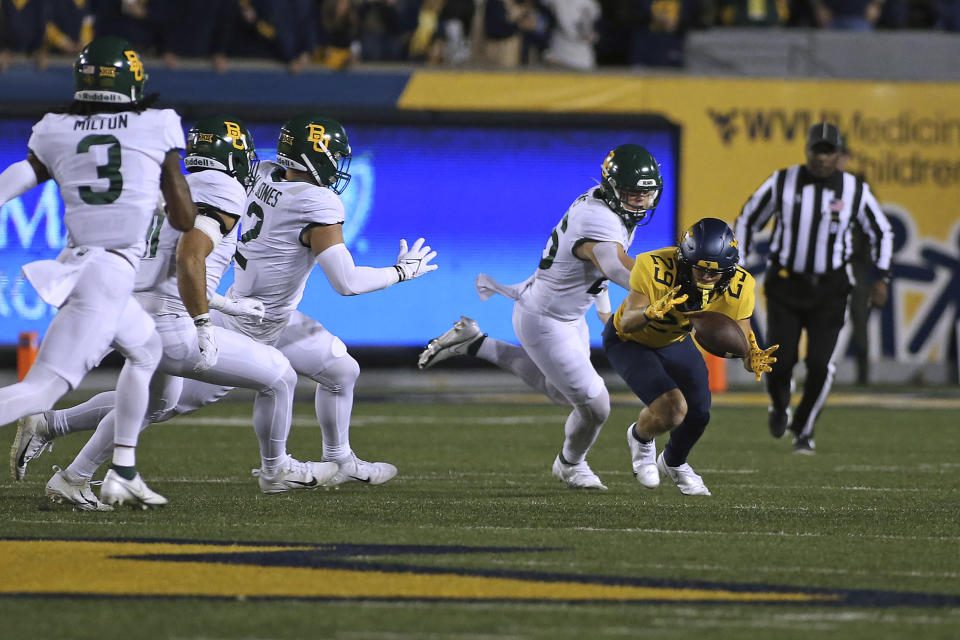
(176, 278)
(587, 248)
(112, 156)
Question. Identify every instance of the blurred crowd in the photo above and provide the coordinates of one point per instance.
(575, 34)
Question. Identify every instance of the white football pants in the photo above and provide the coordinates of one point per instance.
(241, 362)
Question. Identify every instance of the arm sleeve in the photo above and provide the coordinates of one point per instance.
(608, 257)
(755, 214)
(875, 224)
(16, 179)
(348, 279)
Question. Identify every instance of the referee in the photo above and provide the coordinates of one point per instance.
(815, 207)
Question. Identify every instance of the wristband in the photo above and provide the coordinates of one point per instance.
(202, 320)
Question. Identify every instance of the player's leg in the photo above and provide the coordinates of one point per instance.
(560, 350)
(247, 364)
(684, 364)
(664, 406)
(137, 339)
(784, 326)
(321, 356)
(465, 338)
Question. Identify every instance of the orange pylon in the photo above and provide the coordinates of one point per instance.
(26, 352)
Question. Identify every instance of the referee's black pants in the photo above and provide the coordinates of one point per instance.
(796, 302)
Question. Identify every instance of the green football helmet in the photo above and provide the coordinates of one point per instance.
(109, 70)
(316, 144)
(222, 143)
(631, 183)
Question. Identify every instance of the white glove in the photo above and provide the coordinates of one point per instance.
(207, 343)
(415, 261)
(242, 307)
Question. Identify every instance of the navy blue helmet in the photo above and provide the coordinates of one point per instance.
(709, 245)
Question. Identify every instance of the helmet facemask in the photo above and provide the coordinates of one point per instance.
(633, 204)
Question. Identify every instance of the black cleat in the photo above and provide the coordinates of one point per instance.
(803, 446)
(778, 420)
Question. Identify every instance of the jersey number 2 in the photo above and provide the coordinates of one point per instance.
(256, 211)
(110, 171)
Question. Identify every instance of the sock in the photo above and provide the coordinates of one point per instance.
(124, 472)
(636, 436)
(474, 346)
(124, 456)
(83, 417)
(334, 405)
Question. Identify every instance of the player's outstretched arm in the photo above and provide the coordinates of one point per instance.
(348, 279)
(610, 259)
(181, 211)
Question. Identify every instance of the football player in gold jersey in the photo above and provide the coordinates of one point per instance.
(646, 343)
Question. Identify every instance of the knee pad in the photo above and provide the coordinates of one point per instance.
(597, 408)
(340, 375)
(146, 355)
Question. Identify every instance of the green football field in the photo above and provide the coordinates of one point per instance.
(475, 539)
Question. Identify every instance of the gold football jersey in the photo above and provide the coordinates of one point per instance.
(655, 274)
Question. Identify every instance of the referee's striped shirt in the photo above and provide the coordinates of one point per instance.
(814, 219)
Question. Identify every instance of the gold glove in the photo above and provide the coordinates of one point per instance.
(657, 310)
(759, 360)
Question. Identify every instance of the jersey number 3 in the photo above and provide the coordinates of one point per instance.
(109, 171)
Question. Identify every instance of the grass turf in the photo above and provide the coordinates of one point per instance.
(876, 509)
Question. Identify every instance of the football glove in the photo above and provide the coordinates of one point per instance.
(659, 309)
(207, 343)
(414, 262)
(242, 307)
(758, 360)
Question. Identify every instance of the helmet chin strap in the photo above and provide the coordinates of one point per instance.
(313, 172)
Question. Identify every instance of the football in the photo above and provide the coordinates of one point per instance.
(719, 334)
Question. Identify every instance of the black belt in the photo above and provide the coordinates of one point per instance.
(813, 279)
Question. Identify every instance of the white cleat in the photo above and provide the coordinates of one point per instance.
(454, 342)
(687, 480)
(357, 470)
(577, 476)
(31, 441)
(644, 458)
(118, 490)
(296, 475)
(64, 489)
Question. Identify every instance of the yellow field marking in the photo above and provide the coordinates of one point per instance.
(86, 567)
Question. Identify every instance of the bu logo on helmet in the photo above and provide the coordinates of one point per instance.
(136, 67)
(318, 136)
(235, 132)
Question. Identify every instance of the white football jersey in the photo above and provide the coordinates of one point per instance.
(272, 261)
(108, 168)
(564, 285)
(211, 188)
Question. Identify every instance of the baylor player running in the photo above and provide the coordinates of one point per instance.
(587, 248)
(111, 155)
(177, 278)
